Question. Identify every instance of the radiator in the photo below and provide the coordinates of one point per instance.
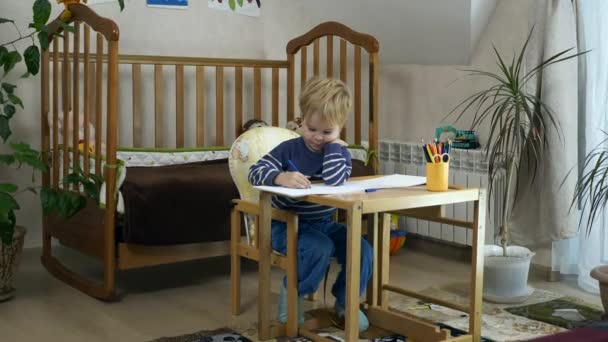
(468, 168)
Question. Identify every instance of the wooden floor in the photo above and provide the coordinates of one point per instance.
(183, 298)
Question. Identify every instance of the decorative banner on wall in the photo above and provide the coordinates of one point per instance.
(181, 4)
(245, 7)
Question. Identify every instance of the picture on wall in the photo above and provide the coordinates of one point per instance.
(181, 4)
(245, 7)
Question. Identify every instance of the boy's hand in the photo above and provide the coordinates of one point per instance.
(294, 180)
(339, 142)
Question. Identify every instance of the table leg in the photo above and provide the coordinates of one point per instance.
(264, 265)
(479, 221)
(372, 235)
(353, 269)
(384, 259)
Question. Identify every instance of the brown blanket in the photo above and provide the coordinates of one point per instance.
(180, 204)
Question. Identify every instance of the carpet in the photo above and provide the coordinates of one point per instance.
(498, 324)
(217, 335)
(562, 312)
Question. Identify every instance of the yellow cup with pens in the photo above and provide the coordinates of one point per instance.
(437, 156)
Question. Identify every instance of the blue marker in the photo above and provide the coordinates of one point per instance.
(370, 190)
(293, 166)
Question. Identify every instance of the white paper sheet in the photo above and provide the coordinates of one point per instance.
(384, 182)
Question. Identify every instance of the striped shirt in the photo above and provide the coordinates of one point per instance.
(332, 165)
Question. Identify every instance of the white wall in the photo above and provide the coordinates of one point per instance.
(414, 98)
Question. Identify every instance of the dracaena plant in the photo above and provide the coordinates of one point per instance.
(591, 190)
(64, 203)
(519, 123)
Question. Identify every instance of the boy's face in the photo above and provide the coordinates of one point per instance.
(317, 132)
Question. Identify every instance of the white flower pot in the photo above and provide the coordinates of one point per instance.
(505, 278)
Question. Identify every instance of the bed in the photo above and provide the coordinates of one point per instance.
(167, 189)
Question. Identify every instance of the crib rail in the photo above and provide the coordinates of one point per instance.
(348, 39)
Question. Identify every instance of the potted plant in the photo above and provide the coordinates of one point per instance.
(519, 123)
(63, 203)
(591, 193)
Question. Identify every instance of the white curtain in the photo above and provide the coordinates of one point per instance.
(580, 254)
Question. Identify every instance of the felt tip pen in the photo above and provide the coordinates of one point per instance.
(370, 190)
(292, 166)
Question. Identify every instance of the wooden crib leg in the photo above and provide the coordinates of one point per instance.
(235, 261)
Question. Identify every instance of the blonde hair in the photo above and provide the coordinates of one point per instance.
(329, 97)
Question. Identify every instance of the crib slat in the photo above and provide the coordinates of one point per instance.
(303, 64)
(136, 102)
(65, 102)
(330, 56)
(316, 57)
(200, 105)
(275, 96)
(55, 124)
(343, 65)
(219, 106)
(109, 254)
(179, 106)
(158, 105)
(373, 102)
(357, 86)
(87, 98)
(257, 93)
(98, 103)
(290, 86)
(44, 112)
(238, 101)
(76, 99)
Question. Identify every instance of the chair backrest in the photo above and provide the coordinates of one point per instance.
(250, 147)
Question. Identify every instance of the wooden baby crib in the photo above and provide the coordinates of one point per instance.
(82, 79)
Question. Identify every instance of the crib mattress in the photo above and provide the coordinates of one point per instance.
(181, 204)
(178, 204)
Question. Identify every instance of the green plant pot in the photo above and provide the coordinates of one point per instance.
(10, 256)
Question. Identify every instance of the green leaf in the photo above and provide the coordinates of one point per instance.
(5, 130)
(10, 60)
(43, 38)
(8, 187)
(121, 3)
(9, 110)
(91, 190)
(22, 148)
(4, 20)
(15, 100)
(8, 88)
(49, 200)
(32, 59)
(240, 2)
(232, 4)
(7, 159)
(7, 226)
(7, 202)
(3, 53)
(65, 26)
(73, 178)
(42, 12)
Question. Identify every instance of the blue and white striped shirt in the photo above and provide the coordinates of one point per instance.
(333, 165)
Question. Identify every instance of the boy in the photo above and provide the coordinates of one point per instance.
(318, 154)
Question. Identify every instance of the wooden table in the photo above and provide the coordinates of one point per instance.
(414, 202)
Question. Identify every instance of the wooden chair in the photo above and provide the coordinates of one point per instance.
(246, 151)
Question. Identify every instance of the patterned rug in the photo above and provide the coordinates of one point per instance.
(217, 335)
(500, 322)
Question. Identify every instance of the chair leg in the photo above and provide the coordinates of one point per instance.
(235, 262)
(292, 277)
